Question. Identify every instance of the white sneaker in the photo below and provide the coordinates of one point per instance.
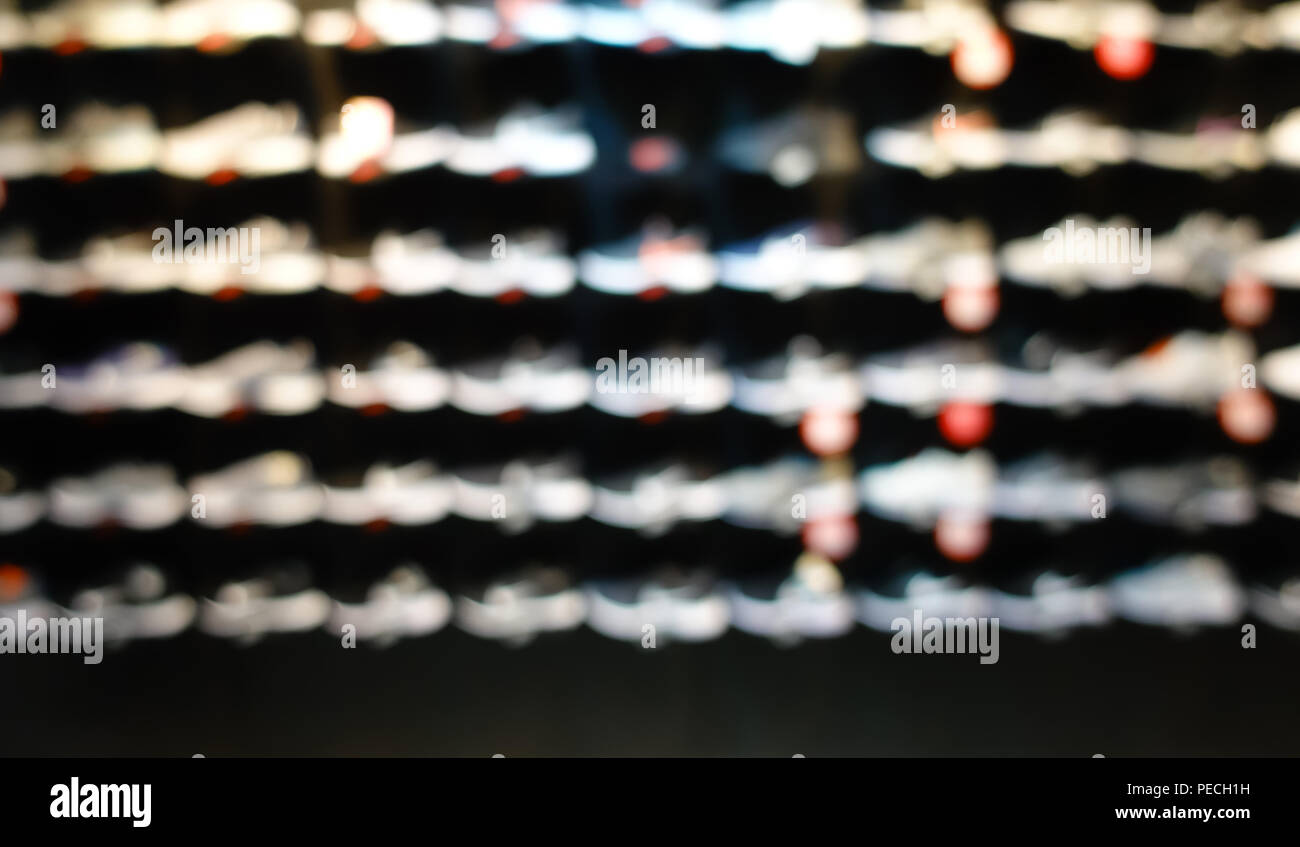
(518, 609)
(251, 140)
(137, 496)
(919, 489)
(138, 607)
(1179, 591)
(810, 603)
(275, 489)
(401, 605)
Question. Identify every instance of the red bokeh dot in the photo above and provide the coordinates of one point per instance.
(833, 536)
(965, 424)
(828, 432)
(1247, 415)
(1247, 301)
(962, 537)
(1124, 57)
(983, 60)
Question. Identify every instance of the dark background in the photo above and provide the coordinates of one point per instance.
(1122, 690)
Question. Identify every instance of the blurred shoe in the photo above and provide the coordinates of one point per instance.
(675, 606)
(931, 257)
(275, 489)
(402, 377)
(764, 496)
(126, 263)
(1280, 371)
(1048, 488)
(793, 31)
(1051, 603)
(785, 386)
(262, 375)
(517, 609)
(372, 140)
(139, 376)
(1192, 495)
(656, 258)
(614, 24)
(401, 605)
(20, 507)
(793, 147)
(247, 610)
(1028, 261)
(105, 139)
(1179, 591)
(793, 259)
(136, 496)
(1276, 260)
(653, 500)
(519, 492)
(920, 489)
(251, 140)
(1278, 603)
(971, 142)
(1191, 369)
(139, 606)
(22, 153)
(670, 378)
(212, 24)
(533, 262)
(26, 382)
(922, 378)
(935, 596)
(1215, 148)
(413, 264)
(414, 494)
(810, 603)
(546, 380)
(539, 143)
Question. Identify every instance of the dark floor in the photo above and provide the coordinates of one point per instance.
(1122, 691)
